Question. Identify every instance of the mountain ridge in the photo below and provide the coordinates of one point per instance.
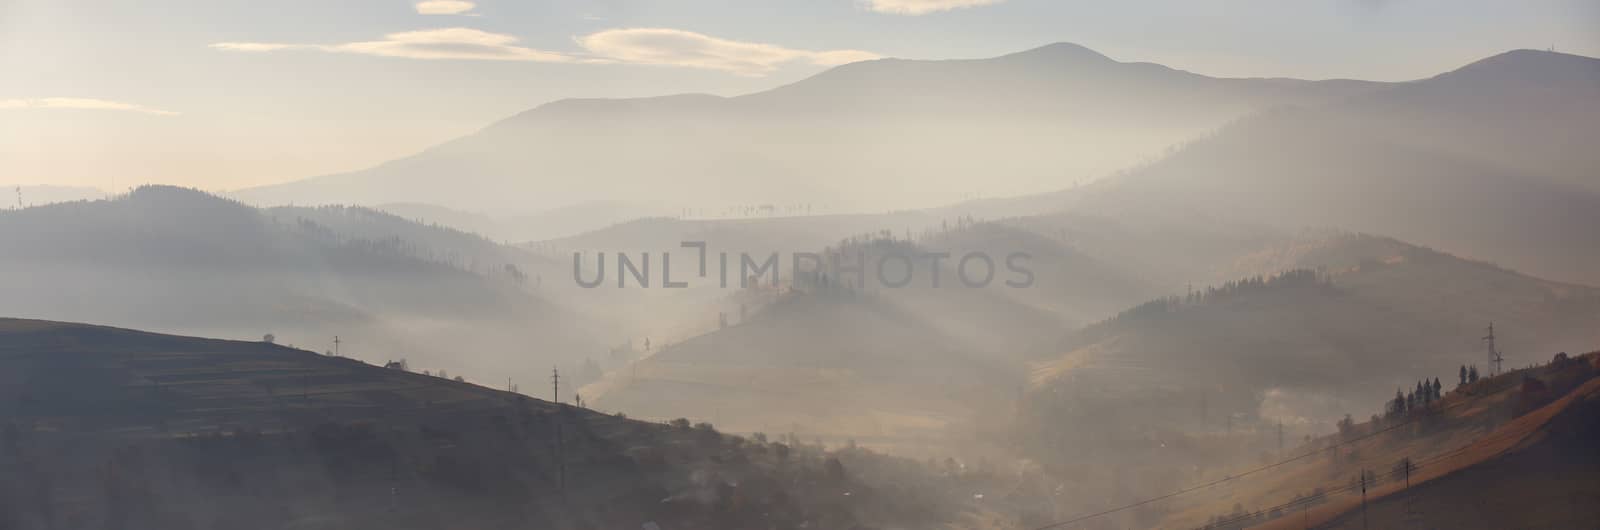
(706, 144)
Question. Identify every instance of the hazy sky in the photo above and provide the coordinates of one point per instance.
(223, 94)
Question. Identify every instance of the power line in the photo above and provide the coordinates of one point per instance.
(1223, 480)
(1341, 489)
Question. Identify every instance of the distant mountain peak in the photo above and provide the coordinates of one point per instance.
(1061, 51)
(172, 194)
(1531, 65)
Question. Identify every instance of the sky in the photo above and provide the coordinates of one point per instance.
(228, 94)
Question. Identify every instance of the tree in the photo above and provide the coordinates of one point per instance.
(1438, 389)
(1463, 375)
(1472, 374)
(834, 470)
(269, 338)
(515, 273)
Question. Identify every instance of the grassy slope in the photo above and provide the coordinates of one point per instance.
(1521, 475)
(107, 426)
(1470, 445)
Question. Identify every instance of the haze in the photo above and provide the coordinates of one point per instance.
(897, 264)
(271, 117)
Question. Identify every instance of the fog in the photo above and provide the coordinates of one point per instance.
(1185, 277)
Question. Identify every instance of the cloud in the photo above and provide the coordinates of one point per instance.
(80, 104)
(653, 46)
(254, 46)
(444, 7)
(672, 47)
(923, 7)
(446, 43)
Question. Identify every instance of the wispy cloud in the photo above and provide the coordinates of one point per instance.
(673, 47)
(80, 104)
(653, 46)
(445, 7)
(447, 43)
(923, 7)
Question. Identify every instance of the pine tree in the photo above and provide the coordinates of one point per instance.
(1463, 375)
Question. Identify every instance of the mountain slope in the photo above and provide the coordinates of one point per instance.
(1312, 344)
(832, 362)
(179, 260)
(1487, 162)
(1503, 452)
(108, 427)
(1539, 481)
(923, 132)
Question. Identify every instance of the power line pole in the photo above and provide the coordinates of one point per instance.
(1363, 499)
(1495, 358)
(336, 342)
(561, 454)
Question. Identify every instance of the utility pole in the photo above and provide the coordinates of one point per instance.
(1494, 353)
(561, 455)
(1280, 437)
(1363, 499)
(394, 483)
(555, 385)
(336, 342)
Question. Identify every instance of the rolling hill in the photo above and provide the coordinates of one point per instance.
(1503, 452)
(922, 132)
(107, 427)
(1486, 162)
(832, 363)
(1353, 315)
(179, 260)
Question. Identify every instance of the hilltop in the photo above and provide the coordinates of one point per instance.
(183, 261)
(106, 426)
(890, 128)
(1434, 162)
(1503, 451)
